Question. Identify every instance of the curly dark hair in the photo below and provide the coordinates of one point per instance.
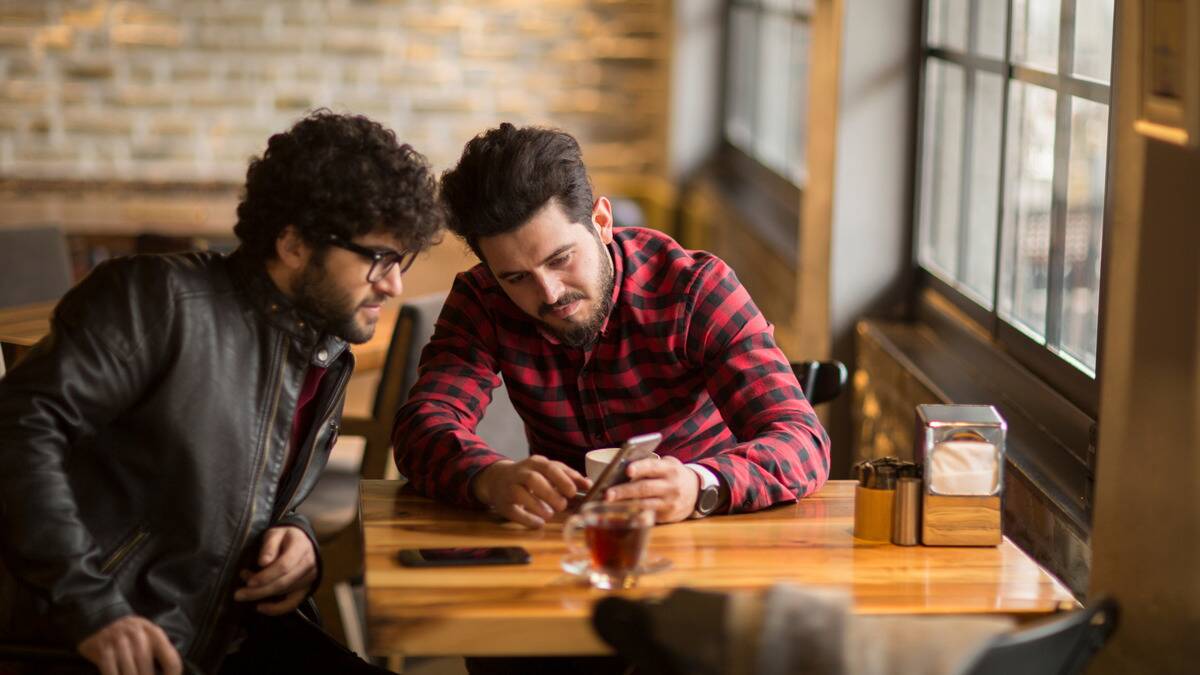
(342, 175)
(507, 174)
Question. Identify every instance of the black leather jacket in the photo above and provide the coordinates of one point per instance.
(142, 446)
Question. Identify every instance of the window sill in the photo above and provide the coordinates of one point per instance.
(763, 200)
(1047, 495)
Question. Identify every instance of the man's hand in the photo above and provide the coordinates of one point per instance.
(131, 645)
(663, 485)
(288, 567)
(530, 491)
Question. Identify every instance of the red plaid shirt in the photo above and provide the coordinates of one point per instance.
(685, 352)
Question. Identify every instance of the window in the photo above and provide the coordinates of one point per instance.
(1012, 174)
(766, 89)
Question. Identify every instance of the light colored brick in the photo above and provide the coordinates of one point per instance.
(53, 38)
(146, 35)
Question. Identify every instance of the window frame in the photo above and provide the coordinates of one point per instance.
(729, 148)
(1074, 384)
(1059, 400)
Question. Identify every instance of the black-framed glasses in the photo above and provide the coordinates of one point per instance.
(382, 261)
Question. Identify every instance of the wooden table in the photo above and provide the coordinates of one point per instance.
(21, 327)
(538, 609)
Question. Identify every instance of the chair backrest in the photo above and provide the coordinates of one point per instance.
(1059, 646)
(821, 381)
(34, 266)
(501, 427)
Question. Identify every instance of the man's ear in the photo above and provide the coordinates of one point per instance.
(291, 249)
(602, 219)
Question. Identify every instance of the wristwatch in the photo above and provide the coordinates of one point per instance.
(710, 491)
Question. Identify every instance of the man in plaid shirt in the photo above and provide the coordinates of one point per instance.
(600, 334)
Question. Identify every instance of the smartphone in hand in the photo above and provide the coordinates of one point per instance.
(465, 556)
(638, 447)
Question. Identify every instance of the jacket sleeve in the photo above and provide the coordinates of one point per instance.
(92, 365)
(783, 453)
(436, 447)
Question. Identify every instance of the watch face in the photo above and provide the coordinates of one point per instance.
(708, 500)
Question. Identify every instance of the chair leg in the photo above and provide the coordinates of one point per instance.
(352, 626)
(331, 614)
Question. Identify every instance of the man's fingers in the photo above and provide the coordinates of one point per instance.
(108, 662)
(518, 514)
(653, 467)
(285, 583)
(544, 488)
(531, 503)
(143, 655)
(270, 546)
(640, 489)
(164, 652)
(126, 663)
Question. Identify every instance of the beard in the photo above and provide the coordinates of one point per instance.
(330, 308)
(584, 334)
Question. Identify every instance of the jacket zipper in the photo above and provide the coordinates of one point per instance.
(122, 552)
(326, 416)
(218, 600)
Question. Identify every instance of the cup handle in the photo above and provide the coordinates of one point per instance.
(571, 530)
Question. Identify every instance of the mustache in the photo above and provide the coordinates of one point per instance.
(375, 300)
(561, 302)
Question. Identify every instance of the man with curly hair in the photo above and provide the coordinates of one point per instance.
(155, 445)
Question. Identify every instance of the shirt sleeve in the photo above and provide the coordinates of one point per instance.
(434, 440)
(783, 451)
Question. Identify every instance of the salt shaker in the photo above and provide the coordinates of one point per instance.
(906, 512)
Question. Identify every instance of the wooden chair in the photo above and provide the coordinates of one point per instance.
(34, 266)
(333, 505)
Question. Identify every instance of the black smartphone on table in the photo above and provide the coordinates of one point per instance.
(463, 556)
(637, 447)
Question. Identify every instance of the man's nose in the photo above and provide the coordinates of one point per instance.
(551, 288)
(391, 284)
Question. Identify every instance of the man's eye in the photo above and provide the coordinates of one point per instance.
(560, 260)
(516, 278)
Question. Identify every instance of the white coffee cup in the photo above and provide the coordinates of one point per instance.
(595, 461)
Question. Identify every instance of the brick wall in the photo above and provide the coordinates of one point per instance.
(103, 95)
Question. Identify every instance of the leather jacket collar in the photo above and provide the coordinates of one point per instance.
(280, 312)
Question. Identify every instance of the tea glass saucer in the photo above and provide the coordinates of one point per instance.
(582, 567)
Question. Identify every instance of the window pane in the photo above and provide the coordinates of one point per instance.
(1085, 218)
(798, 100)
(774, 104)
(1035, 33)
(1093, 39)
(1024, 267)
(942, 167)
(948, 24)
(740, 104)
(979, 268)
(989, 28)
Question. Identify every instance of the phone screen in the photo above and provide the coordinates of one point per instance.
(474, 555)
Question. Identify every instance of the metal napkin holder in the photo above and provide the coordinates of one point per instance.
(949, 518)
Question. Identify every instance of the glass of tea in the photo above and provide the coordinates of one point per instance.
(614, 536)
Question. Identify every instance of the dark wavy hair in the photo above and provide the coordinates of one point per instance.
(507, 174)
(343, 175)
